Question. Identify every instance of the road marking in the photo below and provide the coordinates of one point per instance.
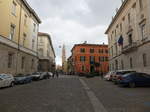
(97, 105)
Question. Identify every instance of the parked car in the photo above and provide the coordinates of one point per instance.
(118, 74)
(108, 76)
(90, 75)
(6, 80)
(36, 76)
(44, 75)
(50, 74)
(23, 79)
(135, 79)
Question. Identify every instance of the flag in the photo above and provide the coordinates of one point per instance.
(120, 41)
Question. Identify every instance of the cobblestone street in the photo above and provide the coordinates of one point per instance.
(69, 94)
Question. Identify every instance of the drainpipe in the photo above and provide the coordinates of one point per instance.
(19, 34)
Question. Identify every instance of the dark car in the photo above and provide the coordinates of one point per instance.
(118, 74)
(23, 79)
(135, 79)
(90, 75)
(36, 76)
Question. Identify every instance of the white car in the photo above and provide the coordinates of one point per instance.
(6, 80)
(50, 74)
(108, 76)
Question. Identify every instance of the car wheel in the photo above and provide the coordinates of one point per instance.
(132, 85)
(12, 84)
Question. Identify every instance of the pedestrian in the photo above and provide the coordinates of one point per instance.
(57, 74)
(53, 75)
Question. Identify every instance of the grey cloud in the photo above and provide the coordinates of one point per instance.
(75, 21)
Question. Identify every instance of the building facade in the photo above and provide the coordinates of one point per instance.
(18, 37)
(129, 37)
(70, 68)
(90, 58)
(46, 53)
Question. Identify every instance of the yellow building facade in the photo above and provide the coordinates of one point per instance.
(18, 37)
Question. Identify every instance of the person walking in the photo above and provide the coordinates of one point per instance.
(57, 74)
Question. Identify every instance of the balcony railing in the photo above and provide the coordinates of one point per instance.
(130, 47)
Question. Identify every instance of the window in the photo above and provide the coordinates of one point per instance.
(143, 31)
(25, 20)
(34, 29)
(129, 18)
(120, 27)
(41, 52)
(92, 58)
(91, 50)
(144, 60)
(141, 4)
(14, 8)
(82, 50)
(101, 51)
(122, 64)
(22, 62)
(116, 48)
(12, 32)
(41, 39)
(82, 58)
(112, 51)
(32, 64)
(115, 33)
(113, 68)
(130, 39)
(24, 39)
(10, 60)
(116, 63)
(106, 51)
(106, 58)
(83, 68)
(33, 42)
(101, 59)
(131, 63)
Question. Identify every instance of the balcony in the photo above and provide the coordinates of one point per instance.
(129, 48)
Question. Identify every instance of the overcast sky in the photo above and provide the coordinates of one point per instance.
(72, 22)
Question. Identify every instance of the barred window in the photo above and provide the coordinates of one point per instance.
(10, 60)
(144, 60)
(82, 58)
(82, 50)
(91, 50)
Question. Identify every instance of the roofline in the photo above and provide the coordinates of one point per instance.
(88, 45)
(50, 40)
(116, 16)
(31, 10)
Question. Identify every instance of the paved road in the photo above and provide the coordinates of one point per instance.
(117, 99)
(54, 95)
(73, 94)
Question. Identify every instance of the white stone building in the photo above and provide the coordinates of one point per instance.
(132, 23)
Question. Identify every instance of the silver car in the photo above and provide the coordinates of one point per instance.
(6, 80)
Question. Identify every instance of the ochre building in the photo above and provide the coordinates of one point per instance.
(19, 25)
(90, 58)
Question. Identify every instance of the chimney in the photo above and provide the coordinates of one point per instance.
(85, 42)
